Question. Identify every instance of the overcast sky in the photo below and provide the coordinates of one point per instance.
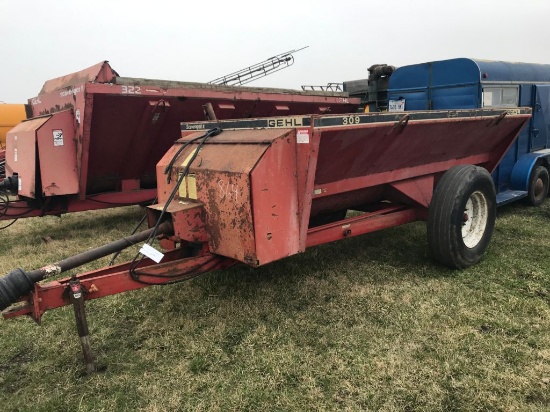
(202, 40)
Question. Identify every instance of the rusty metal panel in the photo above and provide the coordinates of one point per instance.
(275, 200)
(226, 196)
(101, 72)
(21, 154)
(221, 181)
(225, 157)
(70, 97)
(57, 155)
(223, 185)
(188, 219)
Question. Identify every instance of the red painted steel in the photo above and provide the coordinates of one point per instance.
(123, 126)
(117, 279)
(417, 189)
(53, 137)
(100, 73)
(259, 198)
(274, 188)
(21, 154)
(360, 225)
(189, 221)
(20, 208)
(250, 194)
(419, 144)
(374, 180)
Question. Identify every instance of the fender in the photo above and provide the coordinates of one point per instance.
(523, 168)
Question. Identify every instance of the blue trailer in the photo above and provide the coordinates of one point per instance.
(467, 83)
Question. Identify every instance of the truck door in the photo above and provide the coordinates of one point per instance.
(540, 133)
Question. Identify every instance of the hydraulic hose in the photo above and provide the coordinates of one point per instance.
(19, 283)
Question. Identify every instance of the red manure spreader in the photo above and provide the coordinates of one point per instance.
(93, 138)
(255, 190)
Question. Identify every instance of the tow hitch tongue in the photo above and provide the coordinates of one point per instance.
(19, 283)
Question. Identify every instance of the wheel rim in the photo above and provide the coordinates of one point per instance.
(476, 215)
(539, 188)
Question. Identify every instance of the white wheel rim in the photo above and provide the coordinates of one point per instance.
(476, 215)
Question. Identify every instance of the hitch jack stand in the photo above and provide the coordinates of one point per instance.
(76, 294)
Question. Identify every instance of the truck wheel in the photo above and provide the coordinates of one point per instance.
(461, 216)
(538, 186)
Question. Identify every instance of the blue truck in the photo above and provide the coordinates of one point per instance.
(470, 83)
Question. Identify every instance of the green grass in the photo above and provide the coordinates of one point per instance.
(368, 323)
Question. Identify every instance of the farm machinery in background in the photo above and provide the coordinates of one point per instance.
(10, 115)
(463, 83)
(94, 138)
(249, 74)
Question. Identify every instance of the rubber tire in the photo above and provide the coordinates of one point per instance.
(539, 172)
(446, 215)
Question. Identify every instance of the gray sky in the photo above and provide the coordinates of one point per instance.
(202, 40)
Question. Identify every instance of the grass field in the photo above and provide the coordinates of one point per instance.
(368, 323)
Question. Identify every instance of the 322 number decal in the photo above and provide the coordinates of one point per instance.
(131, 90)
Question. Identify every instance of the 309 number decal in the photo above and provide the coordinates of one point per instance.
(350, 120)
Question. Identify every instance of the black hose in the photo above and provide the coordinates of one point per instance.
(168, 169)
(19, 283)
(14, 285)
(112, 262)
(137, 259)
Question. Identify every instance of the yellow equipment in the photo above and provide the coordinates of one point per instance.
(10, 115)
